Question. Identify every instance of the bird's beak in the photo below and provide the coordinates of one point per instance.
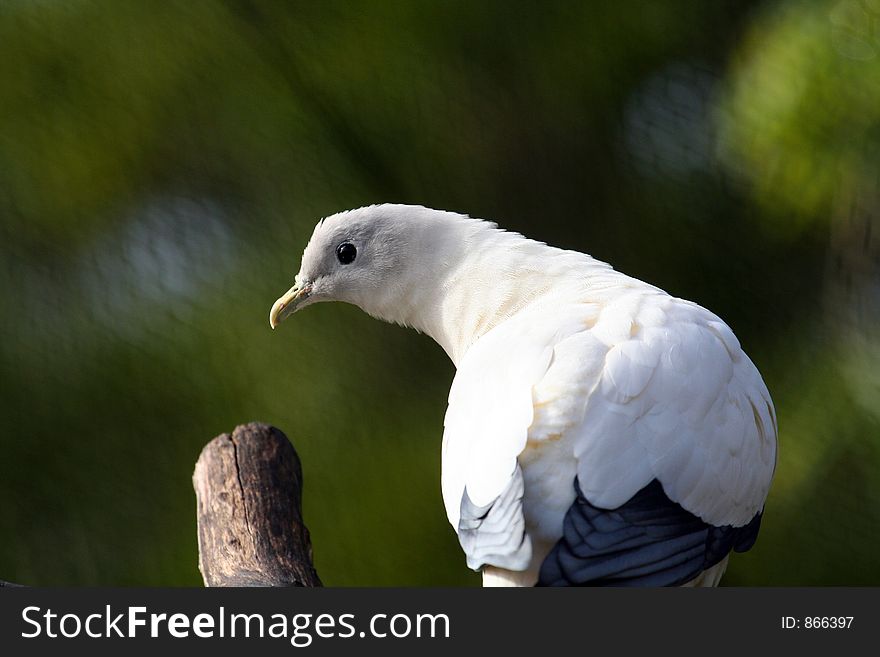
(289, 302)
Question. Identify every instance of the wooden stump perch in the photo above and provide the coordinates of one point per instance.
(248, 494)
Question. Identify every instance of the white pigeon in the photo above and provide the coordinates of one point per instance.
(600, 432)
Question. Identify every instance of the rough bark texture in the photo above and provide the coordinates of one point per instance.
(248, 494)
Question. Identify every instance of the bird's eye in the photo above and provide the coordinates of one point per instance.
(346, 253)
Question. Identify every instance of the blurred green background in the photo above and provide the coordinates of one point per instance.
(162, 166)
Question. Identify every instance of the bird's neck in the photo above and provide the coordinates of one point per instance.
(479, 276)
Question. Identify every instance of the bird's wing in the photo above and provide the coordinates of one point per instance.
(486, 428)
(671, 397)
(645, 388)
(648, 541)
(674, 440)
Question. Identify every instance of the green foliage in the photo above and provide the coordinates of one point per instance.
(162, 166)
(801, 120)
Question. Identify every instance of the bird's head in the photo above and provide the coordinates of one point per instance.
(370, 257)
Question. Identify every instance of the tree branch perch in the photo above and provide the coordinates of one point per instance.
(250, 528)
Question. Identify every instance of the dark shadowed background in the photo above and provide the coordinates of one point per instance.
(162, 166)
